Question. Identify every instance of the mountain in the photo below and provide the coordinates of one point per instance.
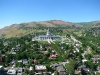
(16, 30)
(95, 28)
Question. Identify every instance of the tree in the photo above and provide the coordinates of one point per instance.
(56, 73)
(90, 64)
(88, 56)
(70, 67)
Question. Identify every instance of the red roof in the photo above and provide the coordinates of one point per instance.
(53, 56)
(34, 61)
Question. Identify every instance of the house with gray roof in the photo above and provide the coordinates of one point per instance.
(61, 70)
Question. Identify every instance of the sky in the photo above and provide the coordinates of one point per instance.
(19, 11)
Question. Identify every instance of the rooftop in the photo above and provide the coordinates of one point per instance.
(40, 67)
(60, 68)
(11, 71)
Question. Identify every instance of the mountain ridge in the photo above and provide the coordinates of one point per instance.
(24, 28)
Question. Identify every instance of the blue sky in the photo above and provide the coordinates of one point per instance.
(18, 11)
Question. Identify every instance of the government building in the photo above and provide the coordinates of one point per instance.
(47, 37)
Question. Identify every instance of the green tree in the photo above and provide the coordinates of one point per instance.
(70, 67)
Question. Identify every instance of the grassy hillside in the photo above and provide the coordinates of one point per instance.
(17, 30)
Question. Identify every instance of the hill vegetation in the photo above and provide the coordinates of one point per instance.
(17, 30)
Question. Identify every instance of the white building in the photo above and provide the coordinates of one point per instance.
(11, 71)
(39, 69)
(19, 71)
(46, 37)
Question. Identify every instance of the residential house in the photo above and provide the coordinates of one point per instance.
(11, 72)
(53, 56)
(5, 43)
(78, 43)
(16, 48)
(55, 65)
(34, 61)
(31, 68)
(48, 47)
(96, 58)
(39, 69)
(64, 63)
(84, 60)
(14, 53)
(61, 70)
(20, 61)
(19, 71)
(98, 68)
(25, 61)
(83, 68)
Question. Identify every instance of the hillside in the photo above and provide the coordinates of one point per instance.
(17, 30)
